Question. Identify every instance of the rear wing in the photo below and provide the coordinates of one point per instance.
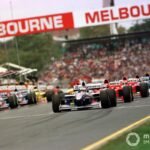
(89, 86)
(114, 83)
(145, 79)
(133, 80)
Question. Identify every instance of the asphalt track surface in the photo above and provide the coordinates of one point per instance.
(38, 128)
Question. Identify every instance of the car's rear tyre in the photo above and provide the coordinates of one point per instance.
(49, 95)
(35, 98)
(56, 101)
(132, 93)
(31, 98)
(144, 90)
(105, 100)
(112, 97)
(13, 102)
(127, 94)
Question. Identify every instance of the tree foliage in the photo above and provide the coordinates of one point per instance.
(95, 31)
(139, 27)
(34, 51)
(99, 31)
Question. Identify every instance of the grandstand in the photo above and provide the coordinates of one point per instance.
(110, 57)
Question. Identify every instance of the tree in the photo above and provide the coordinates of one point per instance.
(34, 51)
(95, 31)
(139, 27)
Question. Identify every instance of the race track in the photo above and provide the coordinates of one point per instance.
(38, 128)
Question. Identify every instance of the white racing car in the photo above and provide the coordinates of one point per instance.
(22, 97)
(3, 102)
(17, 95)
(84, 96)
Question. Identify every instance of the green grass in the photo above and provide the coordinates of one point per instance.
(121, 144)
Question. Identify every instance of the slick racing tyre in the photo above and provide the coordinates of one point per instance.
(127, 94)
(105, 100)
(31, 97)
(13, 102)
(56, 101)
(132, 93)
(112, 97)
(144, 90)
(35, 99)
(49, 95)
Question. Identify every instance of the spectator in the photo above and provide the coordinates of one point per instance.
(130, 58)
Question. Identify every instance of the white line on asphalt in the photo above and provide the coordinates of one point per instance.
(47, 114)
(137, 106)
(27, 116)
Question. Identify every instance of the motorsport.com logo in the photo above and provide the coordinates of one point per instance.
(133, 139)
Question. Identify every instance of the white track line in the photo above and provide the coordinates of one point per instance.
(129, 107)
(27, 116)
(47, 114)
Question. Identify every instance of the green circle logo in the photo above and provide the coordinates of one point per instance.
(130, 141)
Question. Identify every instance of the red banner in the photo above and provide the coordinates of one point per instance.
(36, 25)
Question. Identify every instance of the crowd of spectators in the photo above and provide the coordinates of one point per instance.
(101, 60)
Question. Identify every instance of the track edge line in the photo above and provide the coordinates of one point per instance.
(116, 134)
